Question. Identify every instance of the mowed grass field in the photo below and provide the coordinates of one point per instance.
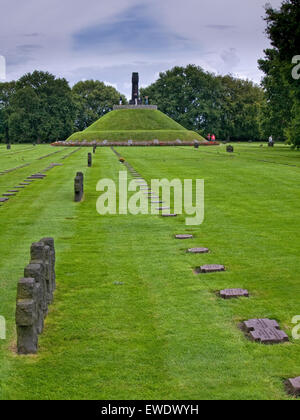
(164, 333)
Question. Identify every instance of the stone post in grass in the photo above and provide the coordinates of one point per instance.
(28, 296)
(78, 187)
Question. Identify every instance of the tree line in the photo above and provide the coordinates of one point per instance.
(228, 107)
(41, 107)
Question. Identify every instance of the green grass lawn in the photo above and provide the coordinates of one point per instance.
(164, 333)
(137, 125)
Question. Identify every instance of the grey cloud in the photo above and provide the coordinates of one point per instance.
(230, 58)
(220, 27)
(32, 35)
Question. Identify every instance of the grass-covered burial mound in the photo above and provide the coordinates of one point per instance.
(136, 125)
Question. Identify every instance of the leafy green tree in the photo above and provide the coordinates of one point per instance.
(42, 108)
(190, 96)
(202, 101)
(93, 99)
(282, 91)
(241, 103)
(7, 91)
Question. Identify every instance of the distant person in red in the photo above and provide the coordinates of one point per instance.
(213, 137)
(208, 137)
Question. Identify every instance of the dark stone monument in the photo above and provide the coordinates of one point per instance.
(89, 160)
(230, 149)
(183, 236)
(135, 90)
(94, 149)
(196, 145)
(78, 187)
(35, 293)
(233, 293)
(293, 386)
(8, 146)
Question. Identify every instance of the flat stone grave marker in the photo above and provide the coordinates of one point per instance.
(198, 250)
(169, 215)
(293, 386)
(233, 293)
(269, 336)
(210, 268)
(8, 194)
(186, 236)
(35, 177)
(12, 191)
(3, 199)
(259, 323)
(265, 331)
(162, 208)
(20, 186)
(25, 183)
(157, 201)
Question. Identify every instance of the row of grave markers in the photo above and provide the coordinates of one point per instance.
(264, 331)
(34, 295)
(39, 175)
(36, 176)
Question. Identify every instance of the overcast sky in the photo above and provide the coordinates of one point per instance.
(109, 39)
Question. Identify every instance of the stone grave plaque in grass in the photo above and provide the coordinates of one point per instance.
(12, 191)
(19, 186)
(3, 199)
(36, 177)
(259, 323)
(210, 268)
(9, 194)
(269, 336)
(185, 236)
(293, 386)
(233, 293)
(198, 250)
(169, 215)
(162, 208)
